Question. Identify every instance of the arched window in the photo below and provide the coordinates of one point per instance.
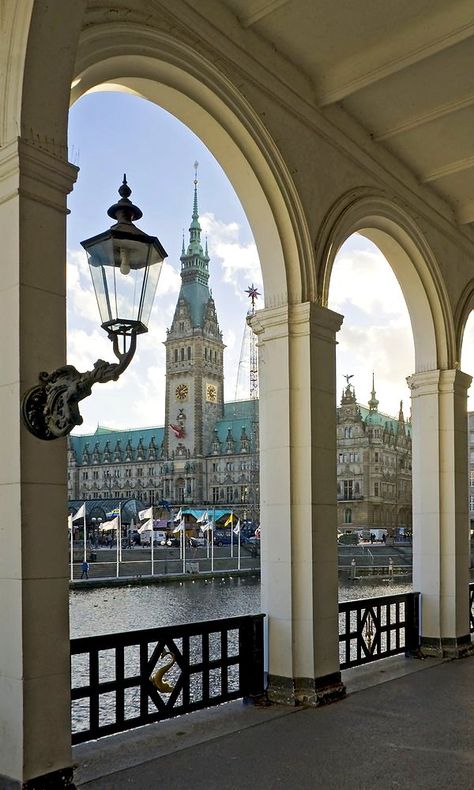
(189, 352)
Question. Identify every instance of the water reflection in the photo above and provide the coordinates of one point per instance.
(114, 609)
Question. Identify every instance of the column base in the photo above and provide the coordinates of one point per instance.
(446, 647)
(57, 780)
(306, 691)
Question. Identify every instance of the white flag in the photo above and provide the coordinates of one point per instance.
(148, 513)
(69, 521)
(180, 526)
(146, 527)
(207, 527)
(179, 515)
(203, 519)
(80, 513)
(236, 529)
(108, 526)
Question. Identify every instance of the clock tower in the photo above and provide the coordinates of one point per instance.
(194, 371)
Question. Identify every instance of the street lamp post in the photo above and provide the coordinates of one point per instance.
(125, 266)
(96, 522)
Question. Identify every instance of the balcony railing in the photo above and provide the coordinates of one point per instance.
(374, 628)
(125, 680)
(121, 681)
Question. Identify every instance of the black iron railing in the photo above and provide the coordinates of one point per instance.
(374, 628)
(125, 680)
(471, 607)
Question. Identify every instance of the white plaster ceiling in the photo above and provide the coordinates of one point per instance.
(404, 69)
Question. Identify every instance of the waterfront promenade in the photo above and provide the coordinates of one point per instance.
(405, 723)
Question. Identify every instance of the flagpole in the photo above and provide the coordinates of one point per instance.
(238, 549)
(84, 532)
(152, 542)
(72, 547)
(118, 541)
(231, 533)
(212, 540)
(120, 530)
(184, 548)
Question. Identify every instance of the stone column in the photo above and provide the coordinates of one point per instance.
(440, 508)
(297, 402)
(35, 730)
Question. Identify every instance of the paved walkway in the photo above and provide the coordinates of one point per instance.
(414, 731)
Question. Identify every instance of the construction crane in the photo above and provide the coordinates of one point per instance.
(247, 375)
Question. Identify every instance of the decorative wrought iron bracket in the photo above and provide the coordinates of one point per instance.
(50, 409)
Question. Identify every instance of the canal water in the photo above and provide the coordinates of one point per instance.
(113, 609)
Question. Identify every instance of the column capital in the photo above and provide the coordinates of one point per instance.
(296, 319)
(429, 382)
(29, 170)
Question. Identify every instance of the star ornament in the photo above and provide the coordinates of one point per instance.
(252, 292)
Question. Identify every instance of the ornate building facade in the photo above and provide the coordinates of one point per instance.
(374, 468)
(206, 454)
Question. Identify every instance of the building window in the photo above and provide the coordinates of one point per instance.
(215, 494)
(347, 516)
(376, 489)
(181, 326)
(95, 475)
(471, 477)
(85, 475)
(139, 471)
(376, 458)
(128, 472)
(189, 352)
(341, 458)
(151, 471)
(182, 355)
(205, 353)
(176, 355)
(229, 494)
(471, 503)
(244, 493)
(348, 489)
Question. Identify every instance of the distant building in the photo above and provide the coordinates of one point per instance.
(206, 454)
(374, 468)
(470, 419)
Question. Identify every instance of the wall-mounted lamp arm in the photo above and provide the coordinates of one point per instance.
(50, 409)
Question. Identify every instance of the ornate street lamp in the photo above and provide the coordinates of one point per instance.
(125, 265)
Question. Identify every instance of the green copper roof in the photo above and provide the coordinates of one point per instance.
(103, 436)
(195, 268)
(378, 418)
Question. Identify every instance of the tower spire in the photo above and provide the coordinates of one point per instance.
(373, 402)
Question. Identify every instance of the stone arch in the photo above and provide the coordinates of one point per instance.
(398, 237)
(462, 312)
(153, 65)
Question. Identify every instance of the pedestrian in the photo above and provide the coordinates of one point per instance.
(85, 570)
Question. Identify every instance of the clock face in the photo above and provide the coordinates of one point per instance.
(181, 391)
(211, 393)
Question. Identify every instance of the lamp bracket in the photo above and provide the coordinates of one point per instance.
(50, 409)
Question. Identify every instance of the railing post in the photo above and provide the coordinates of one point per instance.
(252, 660)
(412, 627)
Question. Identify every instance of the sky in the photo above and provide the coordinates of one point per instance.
(115, 133)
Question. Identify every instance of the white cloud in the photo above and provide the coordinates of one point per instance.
(364, 278)
(376, 333)
(80, 292)
(239, 262)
